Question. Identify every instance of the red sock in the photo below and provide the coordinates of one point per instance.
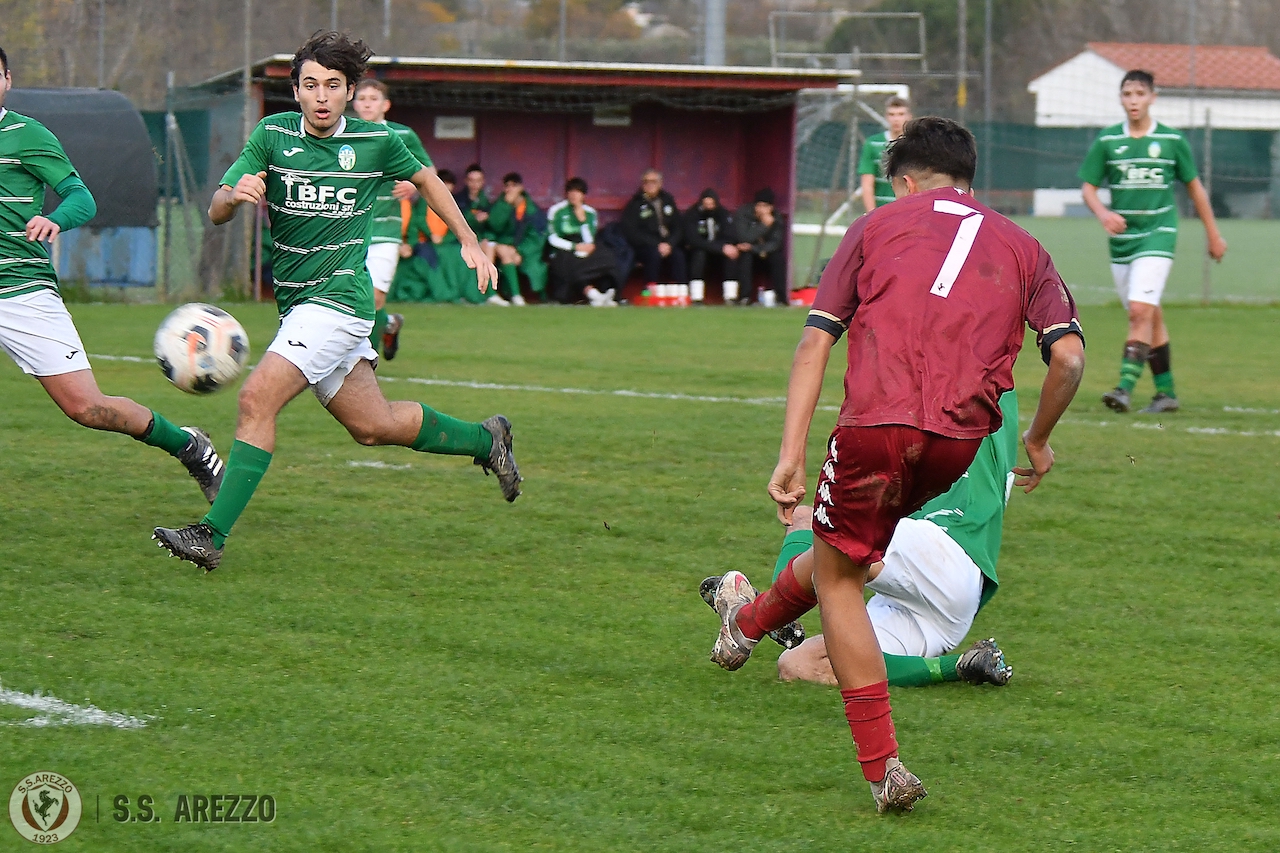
(871, 722)
(780, 604)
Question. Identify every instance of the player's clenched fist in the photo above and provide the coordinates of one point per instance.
(250, 188)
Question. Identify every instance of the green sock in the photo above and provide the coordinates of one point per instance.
(795, 544)
(246, 465)
(379, 326)
(1135, 357)
(443, 434)
(510, 279)
(912, 671)
(164, 435)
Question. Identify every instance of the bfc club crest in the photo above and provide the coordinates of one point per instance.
(1153, 150)
(347, 157)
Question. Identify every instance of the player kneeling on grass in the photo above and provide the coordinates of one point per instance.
(939, 570)
(933, 290)
(320, 173)
(36, 329)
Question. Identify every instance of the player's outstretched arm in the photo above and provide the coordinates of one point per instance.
(1112, 221)
(250, 188)
(1204, 209)
(786, 486)
(1066, 368)
(441, 201)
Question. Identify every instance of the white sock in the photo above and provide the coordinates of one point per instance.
(730, 291)
(697, 289)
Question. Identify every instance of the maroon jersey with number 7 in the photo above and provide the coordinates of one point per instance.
(933, 291)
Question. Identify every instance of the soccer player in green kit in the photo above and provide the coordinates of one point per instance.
(36, 329)
(372, 104)
(938, 572)
(876, 189)
(1141, 158)
(320, 173)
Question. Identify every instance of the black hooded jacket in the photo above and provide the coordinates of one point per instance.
(643, 220)
(708, 230)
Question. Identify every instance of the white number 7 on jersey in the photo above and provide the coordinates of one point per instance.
(960, 246)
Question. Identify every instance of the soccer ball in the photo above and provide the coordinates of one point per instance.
(201, 348)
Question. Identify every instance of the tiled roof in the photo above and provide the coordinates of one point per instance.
(1216, 66)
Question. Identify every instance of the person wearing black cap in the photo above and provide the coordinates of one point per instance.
(761, 235)
(708, 234)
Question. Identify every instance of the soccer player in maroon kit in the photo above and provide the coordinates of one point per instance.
(933, 291)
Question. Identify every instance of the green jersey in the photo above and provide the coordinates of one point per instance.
(386, 213)
(321, 194)
(564, 230)
(872, 163)
(31, 157)
(972, 510)
(1140, 171)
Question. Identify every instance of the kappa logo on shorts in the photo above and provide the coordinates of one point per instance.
(45, 807)
(820, 516)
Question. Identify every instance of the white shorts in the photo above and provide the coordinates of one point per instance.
(381, 262)
(37, 332)
(325, 345)
(927, 594)
(1141, 280)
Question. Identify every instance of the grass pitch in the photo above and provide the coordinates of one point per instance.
(404, 662)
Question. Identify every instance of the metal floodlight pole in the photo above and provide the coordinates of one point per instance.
(988, 108)
(713, 32)
(246, 91)
(564, 27)
(102, 44)
(169, 152)
(962, 69)
(333, 14)
(386, 20)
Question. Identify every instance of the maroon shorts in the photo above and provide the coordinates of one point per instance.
(875, 476)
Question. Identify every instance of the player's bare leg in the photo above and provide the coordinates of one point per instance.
(269, 388)
(78, 396)
(859, 669)
(373, 420)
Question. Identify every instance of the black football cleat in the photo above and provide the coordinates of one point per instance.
(202, 462)
(193, 543)
(501, 462)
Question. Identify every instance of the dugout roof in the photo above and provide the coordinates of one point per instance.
(106, 140)
(542, 86)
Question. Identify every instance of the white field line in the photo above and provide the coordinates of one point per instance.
(52, 711)
(377, 463)
(771, 401)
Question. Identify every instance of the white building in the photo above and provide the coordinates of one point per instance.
(1226, 87)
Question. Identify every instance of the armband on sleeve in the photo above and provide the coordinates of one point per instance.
(826, 322)
(1050, 336)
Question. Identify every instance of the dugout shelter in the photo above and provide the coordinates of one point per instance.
(106, 140)
(732, 128)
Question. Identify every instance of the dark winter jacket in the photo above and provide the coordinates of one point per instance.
(708, 230)
(764, 240)
(648, 222)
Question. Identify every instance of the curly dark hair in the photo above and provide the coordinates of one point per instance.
(333, 50)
